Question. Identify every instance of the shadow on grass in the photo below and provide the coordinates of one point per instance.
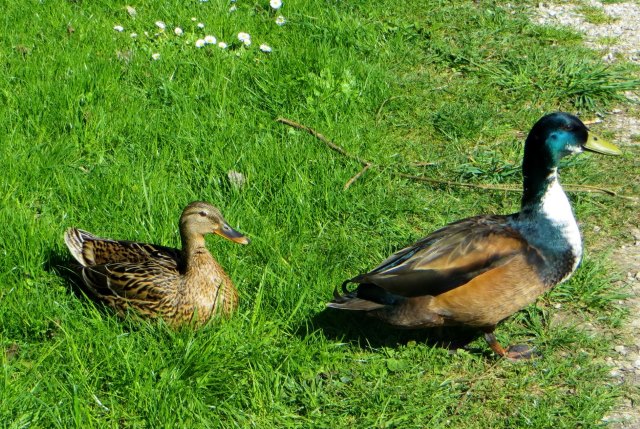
(67, 268)
(366, 332)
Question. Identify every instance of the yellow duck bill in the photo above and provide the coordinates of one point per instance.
(231, 234)
(596, 144)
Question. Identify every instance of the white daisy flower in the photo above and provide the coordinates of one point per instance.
(244, 38)
(222, 45)
(200, 43)
(210, 40)
(194, 19)
(178, 31)
(134, 35)
(276, 4)
(233, 8)
(155, 56)
(161, 25)
(281, 20)
(118, 28)
(265, 48)
(200, 25)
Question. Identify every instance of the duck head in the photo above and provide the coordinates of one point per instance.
(201, 218)
(559, 134)
(553, 137)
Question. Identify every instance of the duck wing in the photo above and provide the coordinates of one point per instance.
(90, 250)
(143, 285)
(447, 258)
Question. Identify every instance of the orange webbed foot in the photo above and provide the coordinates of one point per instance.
(513, 353)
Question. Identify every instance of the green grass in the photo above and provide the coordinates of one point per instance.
(595, 15)
(96, 134)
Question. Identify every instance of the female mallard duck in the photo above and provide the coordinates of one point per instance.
(180, 286)
(480, 270)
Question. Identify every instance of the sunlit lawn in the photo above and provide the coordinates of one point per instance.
(116, 134)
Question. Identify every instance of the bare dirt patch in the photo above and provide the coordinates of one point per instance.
(614, 30)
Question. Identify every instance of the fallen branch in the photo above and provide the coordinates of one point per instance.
(459, 184)
(514, 188)
(570, 187)
(322, 138)
(356, 177)
(466, 394)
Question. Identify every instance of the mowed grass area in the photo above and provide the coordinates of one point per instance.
(96, 134)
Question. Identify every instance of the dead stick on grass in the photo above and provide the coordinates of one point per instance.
(356, 177)
(323, 139)
(458, 184)
(367, 165)
(488, 373)
(513, 188)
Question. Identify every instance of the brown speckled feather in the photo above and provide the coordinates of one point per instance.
(157, 281)
(89, 249)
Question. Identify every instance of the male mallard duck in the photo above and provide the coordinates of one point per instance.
(157, 281)
(480, 270)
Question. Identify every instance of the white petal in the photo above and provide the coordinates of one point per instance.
(276, 4)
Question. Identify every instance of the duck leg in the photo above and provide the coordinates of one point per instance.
(516, 352)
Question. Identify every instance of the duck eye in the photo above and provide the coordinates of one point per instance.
(203, 214)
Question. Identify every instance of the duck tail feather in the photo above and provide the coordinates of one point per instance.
(74, 238)
(351, 299)
(344, 288)
(353, 303)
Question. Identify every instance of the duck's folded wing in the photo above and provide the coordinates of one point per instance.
(149, 281)
(90, 250)
(109, 251)
(449, 257)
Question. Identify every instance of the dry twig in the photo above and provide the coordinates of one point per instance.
(322, 138)
(570, 187)
(488, 373)
(357, 176)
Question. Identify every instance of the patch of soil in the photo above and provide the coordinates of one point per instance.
(618, 39)
(625, 362)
